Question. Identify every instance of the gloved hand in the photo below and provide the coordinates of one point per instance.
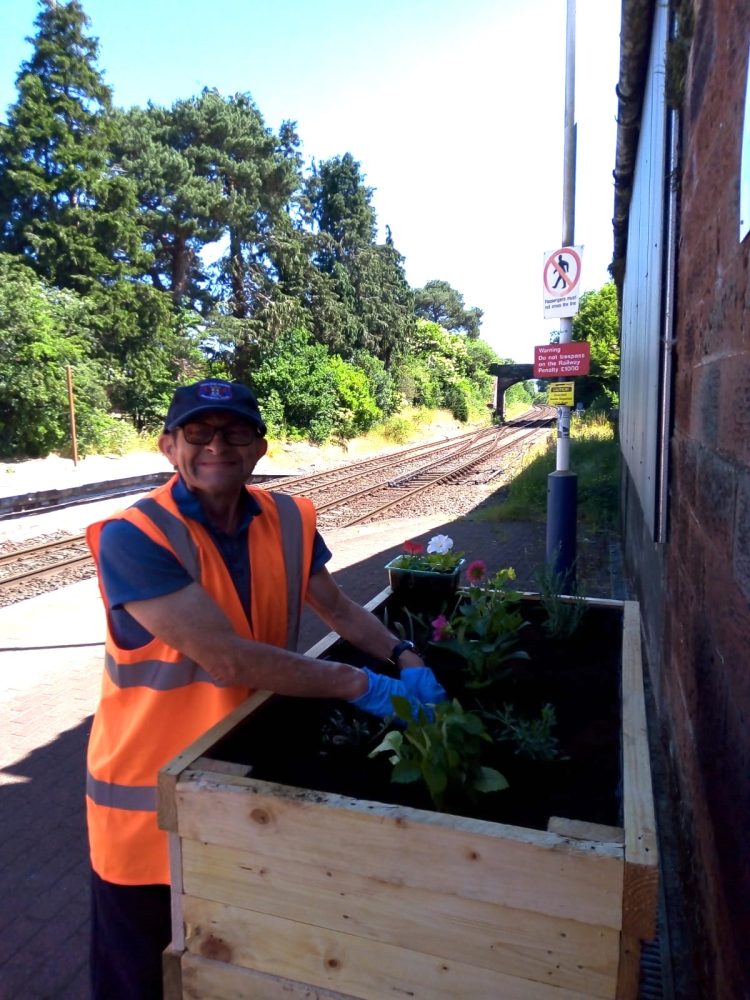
(423, 685)
(380, 690)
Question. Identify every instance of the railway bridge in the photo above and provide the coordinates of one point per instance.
(508, 375)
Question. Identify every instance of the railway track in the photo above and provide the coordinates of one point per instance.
(352, 494)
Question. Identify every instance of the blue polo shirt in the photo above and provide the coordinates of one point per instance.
(135, 568)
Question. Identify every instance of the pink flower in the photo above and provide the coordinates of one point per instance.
(441, 628)
(476, 571)
(413, 548)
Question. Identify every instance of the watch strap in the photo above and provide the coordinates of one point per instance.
(401, 647)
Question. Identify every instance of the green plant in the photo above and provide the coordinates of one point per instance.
(564, 612)
(531, 738)
(484, 630)
(345, 728)
(442, 750)
(437, 557)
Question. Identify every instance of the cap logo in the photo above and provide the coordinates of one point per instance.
(214, 392)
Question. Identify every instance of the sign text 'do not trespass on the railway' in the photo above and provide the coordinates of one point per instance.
(551, 360)
(561, 280)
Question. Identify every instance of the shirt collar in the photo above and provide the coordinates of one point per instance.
(190, 506)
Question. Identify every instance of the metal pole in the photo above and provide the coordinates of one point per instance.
(72, 408)
(562, 485)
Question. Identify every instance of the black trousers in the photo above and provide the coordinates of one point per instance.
(130, 928)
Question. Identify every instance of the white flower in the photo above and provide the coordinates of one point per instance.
(440, 544)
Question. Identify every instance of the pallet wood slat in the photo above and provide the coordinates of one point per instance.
(352, 965)
(291, 893)
(403, 846)
(494, 936)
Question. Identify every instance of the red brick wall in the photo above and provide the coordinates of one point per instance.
(704, 682)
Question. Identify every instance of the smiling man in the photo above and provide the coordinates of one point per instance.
(203, 582)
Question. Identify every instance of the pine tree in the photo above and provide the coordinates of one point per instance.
(61, 209)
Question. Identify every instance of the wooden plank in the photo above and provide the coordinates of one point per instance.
(175, 899)
(172, 973)
(203, 979)
(355, 967)
(223, 767)
(596, 602)
(641, 878)
(579, 830)
(476, 859)
(331, 638)
(527, 945)
(166, 807)
(629, 974)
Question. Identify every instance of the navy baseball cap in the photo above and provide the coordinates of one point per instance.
(213, 395)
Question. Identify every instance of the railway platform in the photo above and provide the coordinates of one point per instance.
(50, 669)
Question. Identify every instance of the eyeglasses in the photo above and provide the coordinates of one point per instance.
(233, 434)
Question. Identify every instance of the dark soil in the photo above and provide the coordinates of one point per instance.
(324, 745)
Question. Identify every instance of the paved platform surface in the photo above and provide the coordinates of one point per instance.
(50, 669)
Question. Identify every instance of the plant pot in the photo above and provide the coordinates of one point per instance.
(285, 890)
(423, 591)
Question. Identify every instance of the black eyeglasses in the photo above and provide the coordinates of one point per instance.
(233, 434)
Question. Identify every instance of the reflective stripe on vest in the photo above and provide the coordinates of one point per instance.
(160, 675)
(176, 532)
(163, 675)
(106, 793)
(290, 520)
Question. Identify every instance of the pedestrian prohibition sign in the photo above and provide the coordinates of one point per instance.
(562, 278)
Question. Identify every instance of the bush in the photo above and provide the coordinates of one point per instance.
(356, 412)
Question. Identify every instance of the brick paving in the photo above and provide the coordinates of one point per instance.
(50, 664)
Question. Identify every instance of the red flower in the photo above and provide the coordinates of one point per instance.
(441, 628)
(413, 548)
(476, 571)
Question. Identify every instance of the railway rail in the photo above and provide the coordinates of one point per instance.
(351, 494)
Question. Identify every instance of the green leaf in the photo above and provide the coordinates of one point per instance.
(489, 780)
(405, 772)
(392, 741)
(401, 707)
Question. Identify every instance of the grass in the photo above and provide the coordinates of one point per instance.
(594, 457)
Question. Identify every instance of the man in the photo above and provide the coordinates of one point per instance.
(203, 581)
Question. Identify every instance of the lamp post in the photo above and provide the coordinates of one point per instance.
(562, 484)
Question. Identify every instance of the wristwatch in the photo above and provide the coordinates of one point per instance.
(401, 647)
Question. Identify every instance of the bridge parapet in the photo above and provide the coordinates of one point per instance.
(508, 375)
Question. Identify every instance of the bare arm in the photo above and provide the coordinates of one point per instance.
(352, 622)
(191, 621)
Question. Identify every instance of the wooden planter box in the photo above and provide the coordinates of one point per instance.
(283, 892)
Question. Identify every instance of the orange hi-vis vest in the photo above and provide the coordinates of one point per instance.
(154, 700)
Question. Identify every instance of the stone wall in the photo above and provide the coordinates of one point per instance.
(703, 689)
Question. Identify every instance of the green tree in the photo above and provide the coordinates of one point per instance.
(341, 204)
(295, 389)
(440, 303)
(367, 290)
(61, 207)
(42, 331)
(208, 170)
(597, 322)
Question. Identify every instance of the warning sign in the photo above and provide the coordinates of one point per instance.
(560, 393)
(561, 278)
(562, 359)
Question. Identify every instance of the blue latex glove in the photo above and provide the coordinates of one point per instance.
(380, 690)
(423, 685)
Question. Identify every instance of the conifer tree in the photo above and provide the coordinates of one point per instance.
(61, 209)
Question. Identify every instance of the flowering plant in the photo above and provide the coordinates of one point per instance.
(485, 627)
(437, 557)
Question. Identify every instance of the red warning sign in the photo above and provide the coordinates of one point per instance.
(562, 359)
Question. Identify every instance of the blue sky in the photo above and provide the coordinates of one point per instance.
(454, 111)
